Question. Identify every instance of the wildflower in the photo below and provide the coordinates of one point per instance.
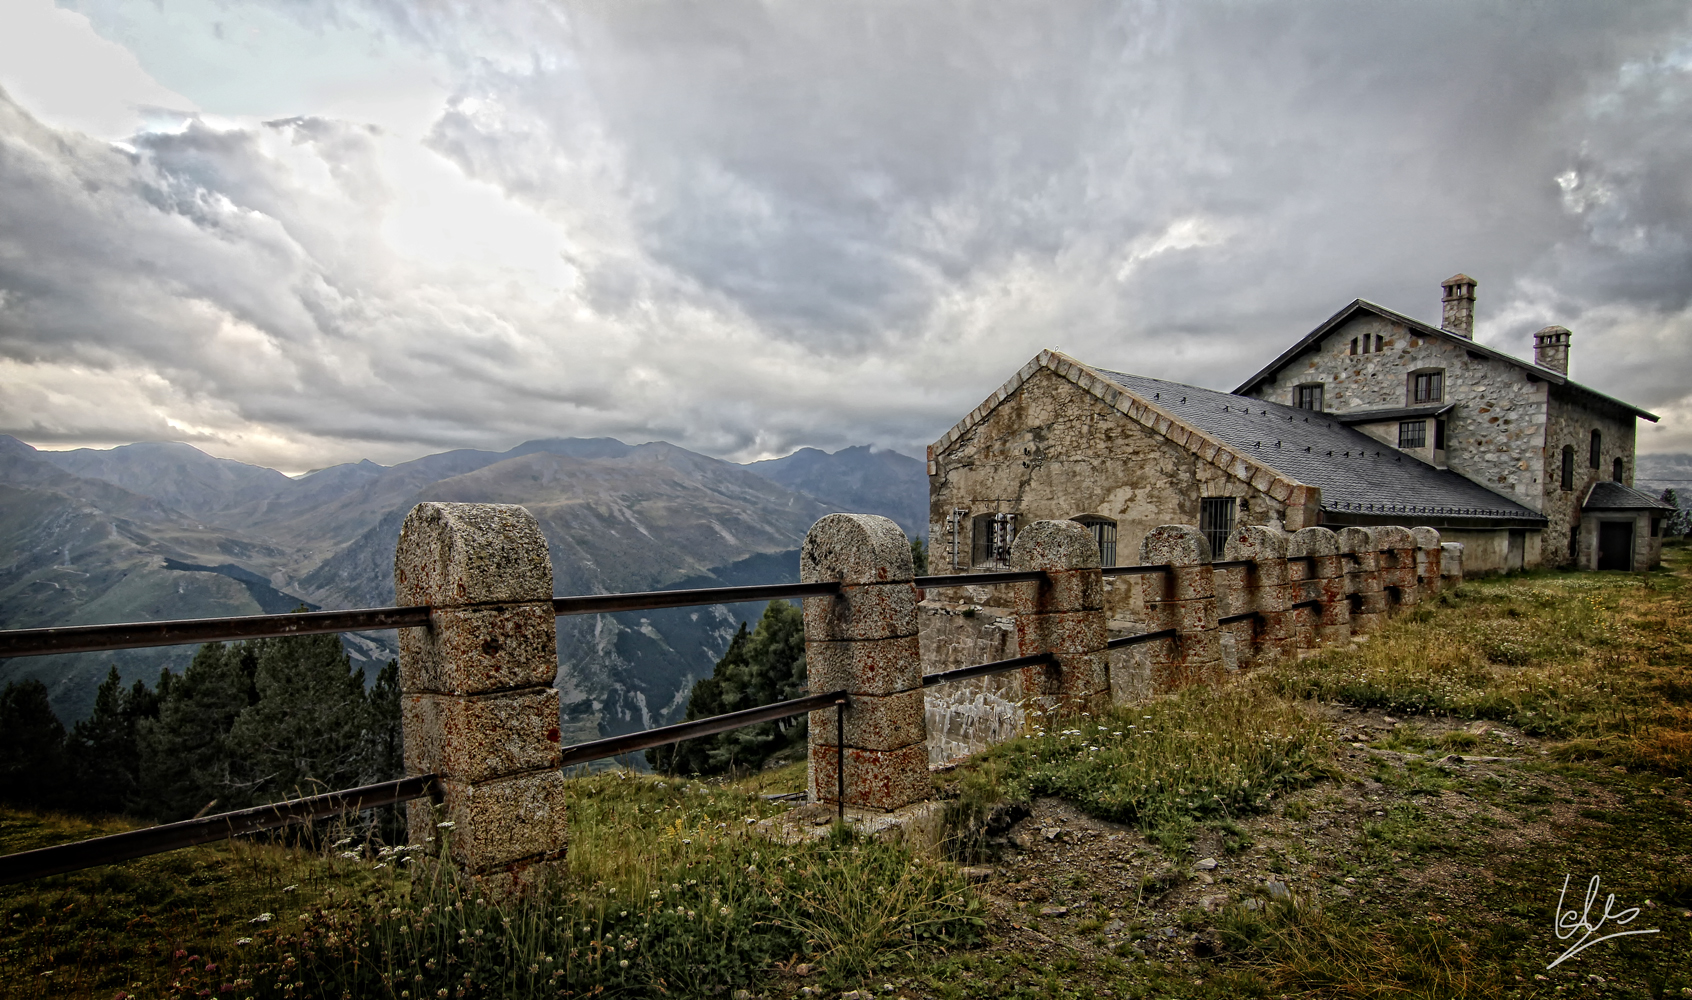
(243, 942)
(623, 964)
(379, 866)
(350, 855)
(723, 912)
(449, 824)
(289, 888)
(263, 918)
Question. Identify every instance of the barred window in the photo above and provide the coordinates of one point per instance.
(990, 541)
(1412, 433)
(1427, 387)
(1104, 533)
(1216, 521)
(1308, 396)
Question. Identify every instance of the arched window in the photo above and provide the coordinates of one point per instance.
(1568, 467)
(990, 540)
(1104, 533)
(1618, 467)
(1595, 457)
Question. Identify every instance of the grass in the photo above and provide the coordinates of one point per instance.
(664, 892)
(1411, 877)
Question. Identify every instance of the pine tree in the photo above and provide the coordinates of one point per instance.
(304, 733)
(764, 666)
(104, 748)
(384, 759)
(185, 761)
(33, 771)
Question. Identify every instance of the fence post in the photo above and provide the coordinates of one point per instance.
(1427, 560)
(1265, 590)
(477, 703)
(1397, 547)
(1450, 565)
(1326, 584)
(1064, 614)
(1363, 580)
(864, 641)
(1183, 599)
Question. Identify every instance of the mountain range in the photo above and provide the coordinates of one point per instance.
(153, 531)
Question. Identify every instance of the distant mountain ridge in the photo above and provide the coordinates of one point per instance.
(154, 531)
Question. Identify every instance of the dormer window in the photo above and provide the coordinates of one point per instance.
(1427, 386)
(1412, 434)
(1308, 396)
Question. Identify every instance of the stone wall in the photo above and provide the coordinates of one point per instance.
(1390, 568)
(1571, 423)
(1494, 436)
(1053, 450)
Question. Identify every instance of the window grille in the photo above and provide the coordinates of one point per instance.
(991, 540)
(1104, 534)
(1568, 467)
(1308, 397)
(1412, 433)
(1427, 387)
(1595, 455)
(1216, 521)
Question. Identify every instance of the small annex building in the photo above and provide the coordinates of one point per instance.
(1373, 418)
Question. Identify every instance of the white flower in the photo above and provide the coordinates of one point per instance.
(350, 855)
(449, 824)
(243, 942)
(289, 888)
(263, 918)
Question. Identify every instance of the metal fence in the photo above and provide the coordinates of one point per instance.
(63, 858)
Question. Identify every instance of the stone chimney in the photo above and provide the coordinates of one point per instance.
(1459, 315)
(1551, 349)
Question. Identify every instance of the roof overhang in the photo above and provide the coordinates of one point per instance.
(1351, 417)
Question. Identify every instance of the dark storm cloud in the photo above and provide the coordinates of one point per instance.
(786, 224)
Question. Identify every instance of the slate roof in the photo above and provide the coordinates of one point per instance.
(1615, 496)
(1425, 331)
(1356, 473)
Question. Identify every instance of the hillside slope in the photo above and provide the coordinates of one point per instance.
(858, 479)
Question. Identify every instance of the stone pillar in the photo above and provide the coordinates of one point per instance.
(1265, 589)
(1450, 565)
(1184, 599)
(1363, 579)
(1064, 614)
(1428, 554)
(477, 703)
(864, 641)
(1397, 548)
(1326, 583)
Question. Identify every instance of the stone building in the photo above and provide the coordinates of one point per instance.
(1373, 418)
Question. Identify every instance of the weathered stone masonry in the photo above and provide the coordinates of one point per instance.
(477, 702)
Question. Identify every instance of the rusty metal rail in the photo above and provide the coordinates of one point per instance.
(125, 846)
(192, 631)
(614, 746)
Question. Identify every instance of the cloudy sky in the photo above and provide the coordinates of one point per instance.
(297, 232)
